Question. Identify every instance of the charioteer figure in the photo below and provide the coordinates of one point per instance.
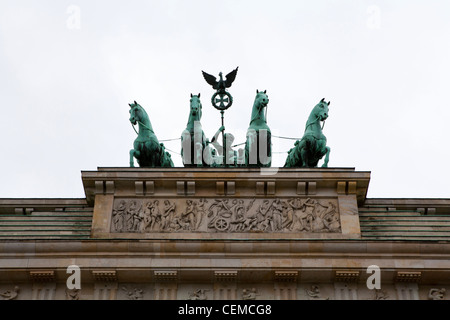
(231, 158)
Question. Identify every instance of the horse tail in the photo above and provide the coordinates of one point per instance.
(294, 156)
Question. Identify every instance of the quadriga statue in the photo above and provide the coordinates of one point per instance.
(313, 146)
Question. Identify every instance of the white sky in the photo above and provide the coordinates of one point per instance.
(68, 70)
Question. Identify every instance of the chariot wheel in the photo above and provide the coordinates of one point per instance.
(221, 224)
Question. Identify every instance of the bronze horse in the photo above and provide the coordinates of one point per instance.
(312, 147)
(146, 148)
(258, 145)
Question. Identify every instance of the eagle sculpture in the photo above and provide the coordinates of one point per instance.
(220, 85)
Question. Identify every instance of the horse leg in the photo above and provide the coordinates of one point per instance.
(133, 153)
(132, 158)
(303, 153)
(327, 157)
(154, 152)
(307, 146)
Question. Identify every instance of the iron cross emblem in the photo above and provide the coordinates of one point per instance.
(221, 100)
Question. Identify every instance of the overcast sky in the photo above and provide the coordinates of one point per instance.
(68, 70)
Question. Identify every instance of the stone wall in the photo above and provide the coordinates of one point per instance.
(218, 234)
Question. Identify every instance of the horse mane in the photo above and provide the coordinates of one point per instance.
(310, 122)
(145, 114)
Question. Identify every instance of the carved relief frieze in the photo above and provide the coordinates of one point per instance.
(249, 294)
(73, 294)
(10, 294)
(225, 215)
(199, 294)
(436, 294)
(133, 294)
(314, 293)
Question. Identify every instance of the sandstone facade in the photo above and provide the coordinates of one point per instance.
(238, 234)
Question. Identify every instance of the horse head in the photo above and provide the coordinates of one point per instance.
(136, 112)
(261, 99)
(138, 115)
(320, 111)
(196, 107)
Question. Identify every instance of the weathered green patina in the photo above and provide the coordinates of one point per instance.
(147, 149)
(312, 147)
(258, 145)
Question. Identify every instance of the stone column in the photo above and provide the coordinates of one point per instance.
(225, 285)
(348, 209)
(44, 285)
(406, 284)
(106, 284)
(346, 285)
(105, 290)
(166, 286)
(285, 285)
(407, 291)
(104, 198)
(345, 291)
